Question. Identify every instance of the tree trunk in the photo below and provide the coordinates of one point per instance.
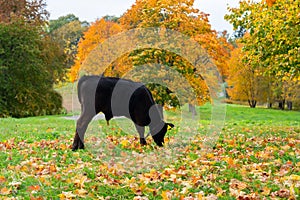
(192, 109)
(281, 104)
(252, 103)
(289, 105)
(269, 105)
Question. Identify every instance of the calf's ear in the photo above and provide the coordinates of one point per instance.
(170, 126)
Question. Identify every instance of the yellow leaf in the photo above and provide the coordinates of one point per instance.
(124, 143)
(66, 195)
(81, 192)
(210, 155)
(295, 177)
(266, 191)
(79, 181)
(53, 168)
(49, 130)
(165, 195)
(63, 147)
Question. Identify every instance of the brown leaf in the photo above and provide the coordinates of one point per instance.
(236, 184)
(283, 193)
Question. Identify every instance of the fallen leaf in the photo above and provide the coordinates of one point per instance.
(140, 198)
(15, 184)
(236, 184)
(2, 179)
(266, 191)
(283, 193)
(34, 188)
(79, 181)
(166, 195)
(5, 191)
(81, 192)
(67, 195)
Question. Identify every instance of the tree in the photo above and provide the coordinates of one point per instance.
(32, 12)
(272, 45)
(178, 16)
(61, 21)
(245, 82)
(30, 62)
(67, 31)
(167, 15)
(96, 33)
(29, 65)
(111, 18)
(274, 28)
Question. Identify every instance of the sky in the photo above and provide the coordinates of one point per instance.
(90, 10)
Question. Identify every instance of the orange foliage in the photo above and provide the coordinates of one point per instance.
(96, 34)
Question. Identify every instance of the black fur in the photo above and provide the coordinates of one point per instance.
(118, 97)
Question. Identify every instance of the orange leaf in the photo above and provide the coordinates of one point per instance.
(270, 2)
(2, 179)
(53, 168)
(266, 191)
(5, 191)
(34, 188)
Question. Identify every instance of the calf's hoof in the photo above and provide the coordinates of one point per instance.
(143, 141)
(77, 145)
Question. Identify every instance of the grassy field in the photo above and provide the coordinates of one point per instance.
(257, 155)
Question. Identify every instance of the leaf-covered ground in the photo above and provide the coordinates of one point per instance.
(257, 156)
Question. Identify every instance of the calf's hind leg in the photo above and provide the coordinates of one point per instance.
(141, 131)
(81, 126)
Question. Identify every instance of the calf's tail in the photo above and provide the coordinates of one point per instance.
(81, 80)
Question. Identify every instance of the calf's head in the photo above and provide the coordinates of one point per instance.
(160, 135)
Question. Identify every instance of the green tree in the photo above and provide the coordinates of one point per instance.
(29, 65)
(67, 31)
(30, 62)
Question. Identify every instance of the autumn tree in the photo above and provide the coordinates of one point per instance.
(246, 83)
(179, 16)
(32, 12)
(273, 42)
(98, 32)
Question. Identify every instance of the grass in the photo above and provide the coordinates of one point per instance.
(257, 155)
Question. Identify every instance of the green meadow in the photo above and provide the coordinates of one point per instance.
(256, 156)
